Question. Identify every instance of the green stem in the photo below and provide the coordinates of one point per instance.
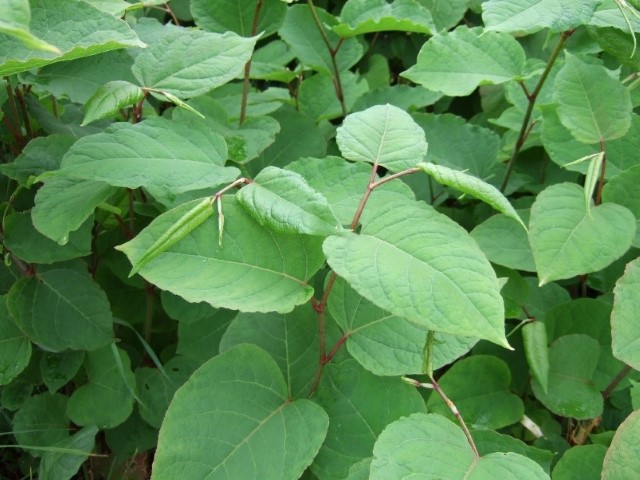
(526, 127)
(333, 52)
(247, 67)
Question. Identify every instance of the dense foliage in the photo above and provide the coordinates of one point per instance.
(333, 239)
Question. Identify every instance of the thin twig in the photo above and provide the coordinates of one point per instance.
(247, 66)
(525, 128)
(616, 381)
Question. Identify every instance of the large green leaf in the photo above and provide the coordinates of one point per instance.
(189, 63)
(479, 387)
(69, 454)
(624, 326)
(77, 29)
(151, 154)
(233, 419)
(60, 309)
(364, 16)
(284, 202)
(238, 15)
(420, 265)
(581, 461)
(622, 189)
(476, 149)
(302, 35)
(383, 135)
(571, 393)
(504, 242)
(106, 400)
(254, 269)
(568, 240)
(622, 457)
(28, 244)
(289, 338)
(41, 422)
(455, 63)
(386, 344)
(15, 17)
(446, 14)
(360, 405)
(608, 14)
(590, 116)
(530, 16)
(430, 446)
(64, 204)
(15, 347)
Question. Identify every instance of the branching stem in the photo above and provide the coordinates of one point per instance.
(525, 129)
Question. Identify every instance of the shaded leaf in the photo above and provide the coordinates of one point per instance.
(15, 347)
(41, 421)
(534, 336)
(65, 463)
(624, 326)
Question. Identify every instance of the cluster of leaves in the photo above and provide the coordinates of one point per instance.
(332, 240)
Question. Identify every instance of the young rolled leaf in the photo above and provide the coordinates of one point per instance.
(383, 135)
(184, 225)
(473, 186)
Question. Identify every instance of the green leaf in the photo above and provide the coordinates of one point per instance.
(473, 186)
(238, 16)
(211, 428)
(78, 79)
(77, 29)
(245, 141)
(30, 245)
(590, 116)
(200, 339)
(105, 401)
(386, 344)
(564, 149)
(408, 260)
(15, 347)
(530, 16)
(455, 63)
(41, 422)
(622, 456)
(64, 463)
(341, 183)
(534, 337)
(235, 274)
(446, 14)
(567, 240)
(109, 99)
(365, 16)
(504, 242)
(15, 17)
(488, 441)
(624, 328)
(317, 97)
(571, 393)
(155, 389)
(404, 97)
(383, 135)
(479, 387)
(424, 446)
(57, 369)
(63, 205)
(189, 63)
(151, 154)
(608, 14)
(476, 148)
(60, 309)
(42, 154)
(581, 461)
(282, 201)
(622, 190)
(347, 393)
(301, 33)
(289, 338)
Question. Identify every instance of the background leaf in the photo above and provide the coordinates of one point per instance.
(237, 15)
(624, 329)
(621, 456)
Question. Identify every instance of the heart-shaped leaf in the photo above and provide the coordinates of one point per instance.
(568, 240)
(233, 419)
(431, 446)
